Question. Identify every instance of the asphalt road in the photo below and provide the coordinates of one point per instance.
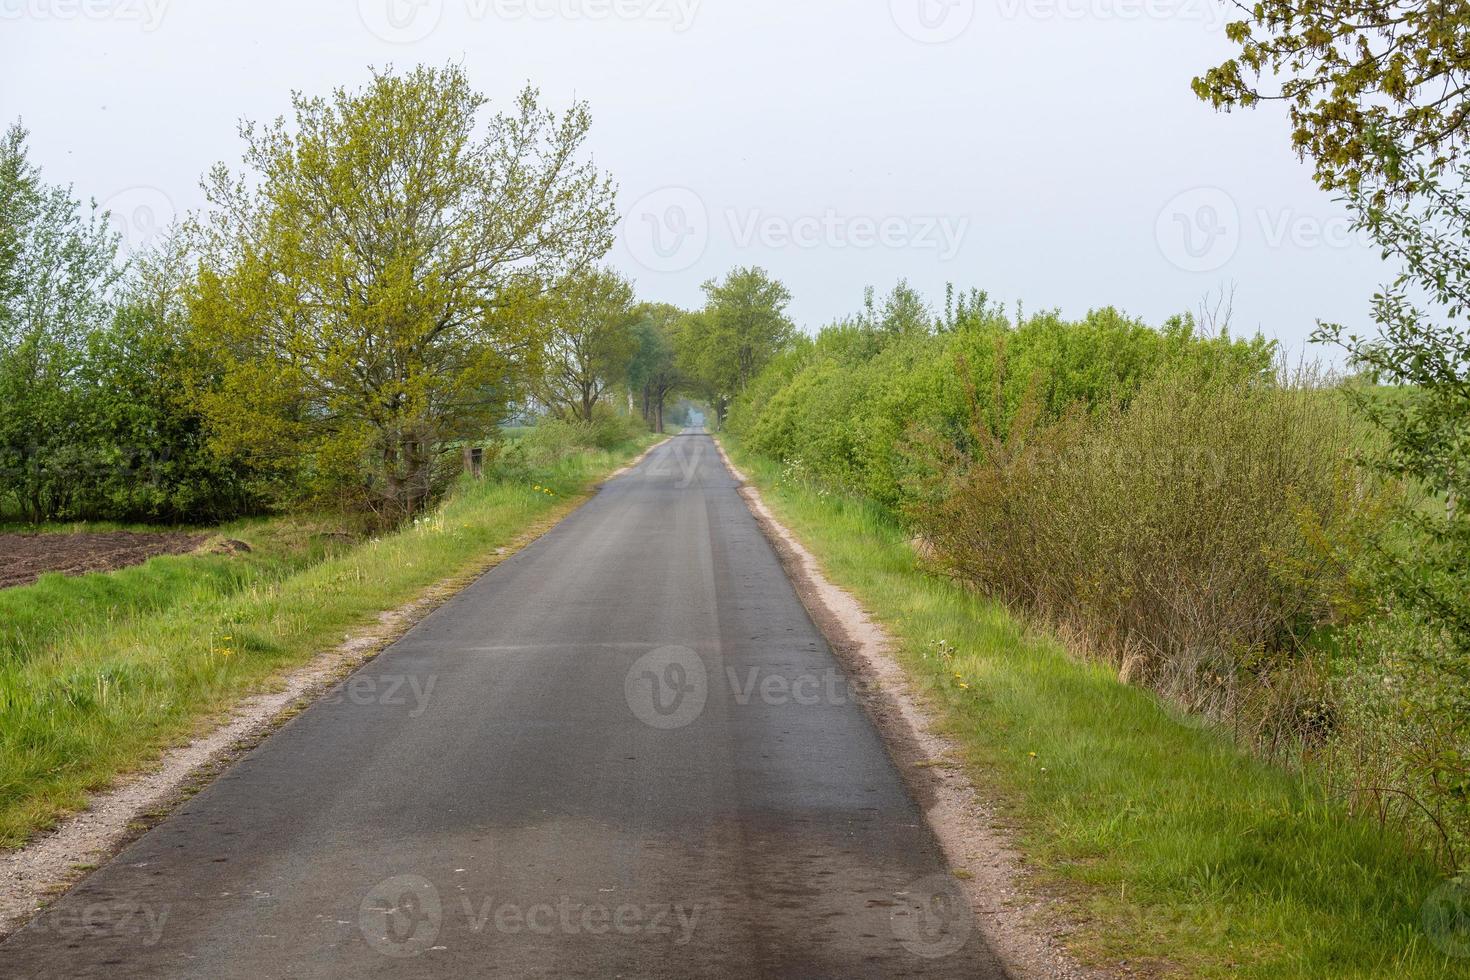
(626, 751)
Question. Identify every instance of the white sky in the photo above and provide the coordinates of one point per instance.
(1035, 148)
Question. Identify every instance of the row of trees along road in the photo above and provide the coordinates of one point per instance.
(388, 274)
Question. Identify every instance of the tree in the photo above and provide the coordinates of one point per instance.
(904, 312)
(146, 444)
(1371, 85)
(654, 371)
(57, 269)
(1420, 363)
(366, 283)
(1422, 350)
(742, 326)
(590, 320)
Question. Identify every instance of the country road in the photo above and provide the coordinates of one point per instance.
(625, 751)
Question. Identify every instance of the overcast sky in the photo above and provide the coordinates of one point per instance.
(1049, 151)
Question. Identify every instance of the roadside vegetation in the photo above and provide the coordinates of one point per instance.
(1157, 559)
(1169, 847)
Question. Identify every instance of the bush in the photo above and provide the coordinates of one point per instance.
(1399, 746)
(845, 405)
(1181, 537)
(554, 438)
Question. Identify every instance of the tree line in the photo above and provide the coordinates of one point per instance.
(390, 274)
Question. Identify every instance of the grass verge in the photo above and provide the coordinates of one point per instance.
(111, 693)
(1173, 850)
(57, 607)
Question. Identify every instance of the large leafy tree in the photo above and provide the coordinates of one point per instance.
(590, 340)
(367, 281)
(1373, 86)
(57, 269)
(742, 326)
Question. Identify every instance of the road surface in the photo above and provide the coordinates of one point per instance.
(626, 751)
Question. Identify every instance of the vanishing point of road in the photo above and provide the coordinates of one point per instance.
(624, 752)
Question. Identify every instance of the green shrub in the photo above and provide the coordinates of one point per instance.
(1399, 751)
(845, 405)
(1181, 537)
(554, 438)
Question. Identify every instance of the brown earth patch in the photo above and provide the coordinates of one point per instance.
(26, 557)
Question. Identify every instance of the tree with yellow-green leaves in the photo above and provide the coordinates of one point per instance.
(589, 320)
(367, 285)
(1378, 90)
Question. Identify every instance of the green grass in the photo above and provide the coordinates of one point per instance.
(105, 696)
(1168, 846)
(57, 607)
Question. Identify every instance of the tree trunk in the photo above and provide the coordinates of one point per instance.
(392, 485)
(587, 403)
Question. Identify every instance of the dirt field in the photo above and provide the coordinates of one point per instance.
(24, 557)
